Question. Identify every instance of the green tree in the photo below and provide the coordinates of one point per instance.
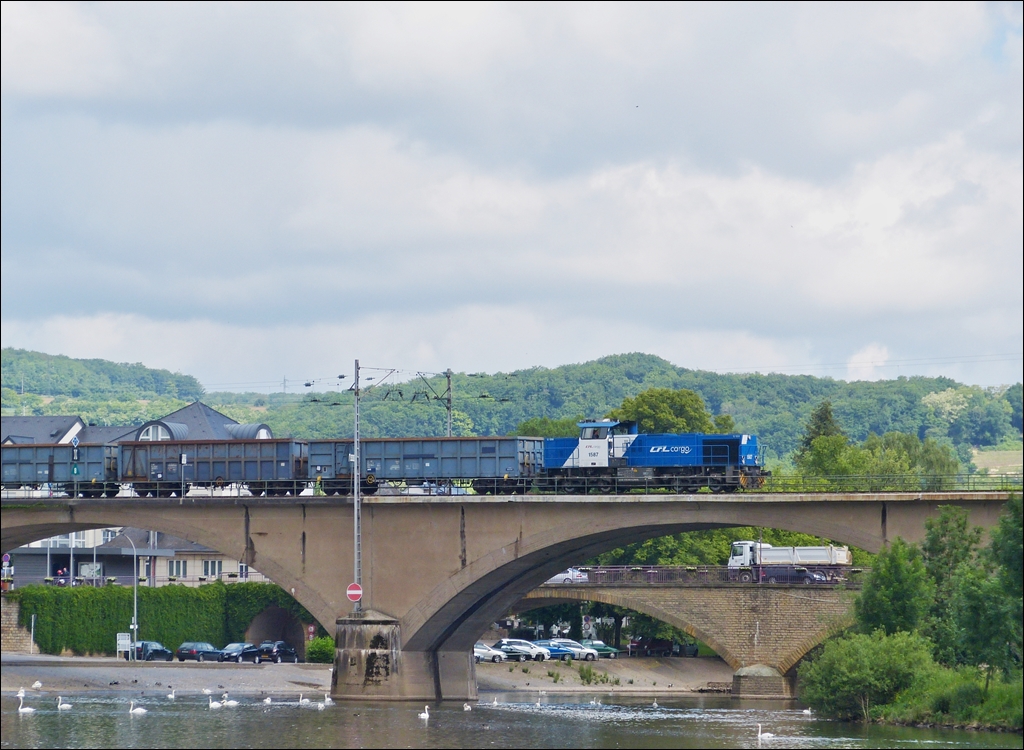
(859, 671)
(659, 410)
(1006, 552)
(949, 547)
(833, 456)
(822, 423)
(985, 621)
(547, 427)
(897, 593)
(1014, 398)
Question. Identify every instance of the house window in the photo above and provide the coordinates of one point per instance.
(213, 568)
(155, 432)
(243, 570)
(109, 535)
(178, 568)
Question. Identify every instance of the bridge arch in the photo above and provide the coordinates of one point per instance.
(239, 546)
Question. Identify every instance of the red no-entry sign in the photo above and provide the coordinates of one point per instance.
(354, 592)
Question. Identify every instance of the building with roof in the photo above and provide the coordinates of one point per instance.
(47, 430)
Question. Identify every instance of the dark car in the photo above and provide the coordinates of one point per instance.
(149, 651)
(240, 652)
(278, 651)
(198, 650)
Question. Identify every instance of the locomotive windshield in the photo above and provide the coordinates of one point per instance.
(594, 433)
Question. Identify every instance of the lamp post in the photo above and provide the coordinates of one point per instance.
(356, 482)
(135, 594)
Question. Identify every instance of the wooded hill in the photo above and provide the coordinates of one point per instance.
(774, 407)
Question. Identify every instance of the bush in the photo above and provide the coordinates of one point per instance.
(86, 620)
(320, 650)
(855, 673)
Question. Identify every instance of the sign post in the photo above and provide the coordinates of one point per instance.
(354, 592)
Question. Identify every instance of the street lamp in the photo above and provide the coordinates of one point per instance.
(135, 594)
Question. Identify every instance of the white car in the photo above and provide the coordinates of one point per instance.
(516, 649)
(483, 652)
(570, 575)
(579, 651)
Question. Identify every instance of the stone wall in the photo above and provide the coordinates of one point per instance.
(13, 637)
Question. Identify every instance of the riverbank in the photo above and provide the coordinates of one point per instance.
(640, 675)
(69, 675)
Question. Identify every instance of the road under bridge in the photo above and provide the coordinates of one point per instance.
(438, 570)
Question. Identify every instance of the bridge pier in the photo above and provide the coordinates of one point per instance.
(370, 664)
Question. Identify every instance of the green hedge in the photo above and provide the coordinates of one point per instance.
(86, 620)
(320, 650)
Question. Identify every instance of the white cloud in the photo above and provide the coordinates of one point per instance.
(868, 363)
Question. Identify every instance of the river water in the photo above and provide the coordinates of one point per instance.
(102, 720)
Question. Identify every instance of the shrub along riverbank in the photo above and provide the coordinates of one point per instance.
(86, 620)
(940, 633)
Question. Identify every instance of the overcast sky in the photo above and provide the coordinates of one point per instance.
(248, 192)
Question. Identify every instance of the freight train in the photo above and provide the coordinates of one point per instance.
(608, 456)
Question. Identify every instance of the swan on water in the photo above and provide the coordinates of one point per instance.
(495, 702)
(37, 685)
(61, 705)
(267, 700)
(170, 695)
(303, 701)
(20, 693)
(207, 691)
(213, 703)
(763, 735)
(22, 708)
(328, 700)
(466, 707)
(228, 703)
(426, 713)
(320, 706)
(807, 712)
(655, 704)
(136, 710)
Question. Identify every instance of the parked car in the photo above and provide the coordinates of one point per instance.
(556, 650)
(569, 575)
(149, 651)
(277, 651)
(197, 650)
(645, 646)
(483, 652)
(685, 649)
(516, 649)
(579, 651)
(240, 652)
(602, 649)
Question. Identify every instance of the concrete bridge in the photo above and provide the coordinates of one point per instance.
(770, 626)
(438, 570)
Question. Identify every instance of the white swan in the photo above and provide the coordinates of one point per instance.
(807, 712)
(495, 702)
(136, 710)
(207, 691)
(170, 695)
(466, 707)
(303, 701)
(61, 705)
(763, 735)
(213, 703)
(22, 708)
(267, 700)
(228, 703)
(20, 693)
(327, 700)
(36, 685)
(426, 713)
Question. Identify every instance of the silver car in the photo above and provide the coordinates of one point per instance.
(579, 651)
(483, 652)
(516, 649)
(569, 575)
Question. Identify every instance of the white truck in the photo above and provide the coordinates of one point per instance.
(757, 561)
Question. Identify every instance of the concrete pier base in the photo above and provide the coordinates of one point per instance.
(760, 681)
(369, 664)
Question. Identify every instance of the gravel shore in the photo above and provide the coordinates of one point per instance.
(66, 675)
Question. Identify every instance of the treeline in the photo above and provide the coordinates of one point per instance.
(939, 632)
(774, 407)
(44, 375)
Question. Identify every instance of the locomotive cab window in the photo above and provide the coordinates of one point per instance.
(594, 433)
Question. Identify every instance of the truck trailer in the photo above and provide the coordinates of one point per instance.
(756, 561)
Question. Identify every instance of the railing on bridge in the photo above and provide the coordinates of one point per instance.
(703, 575)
